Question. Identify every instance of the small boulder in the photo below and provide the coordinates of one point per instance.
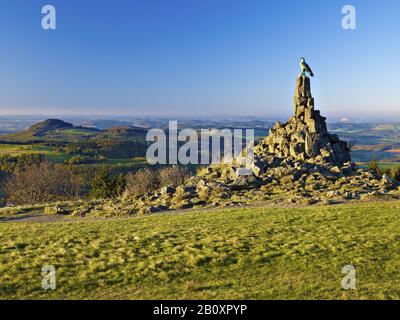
(386, 180)
(167, 190)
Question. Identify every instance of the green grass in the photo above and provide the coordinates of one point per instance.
(19, 136)
(68, 134)
(77, 132)
(385, 165)
(124, 161)
(15, 150)
(18, 149)
(242, 253)
(59, 157)
(382, 165)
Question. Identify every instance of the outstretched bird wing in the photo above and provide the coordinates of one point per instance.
(308, 69)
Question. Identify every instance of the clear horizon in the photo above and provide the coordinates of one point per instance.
(366, 118)
(198, 58)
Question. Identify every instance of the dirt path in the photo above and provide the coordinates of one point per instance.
(36, 217)
(39, 217)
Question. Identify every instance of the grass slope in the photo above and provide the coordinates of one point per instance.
(17, 150)
(241, 253)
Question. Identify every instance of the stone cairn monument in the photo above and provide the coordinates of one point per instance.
(305, 136)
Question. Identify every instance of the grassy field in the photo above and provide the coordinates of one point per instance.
(246, 253)
(59, 157)
(121, 161)
(77, 132)
(17, 149)
(382, 165)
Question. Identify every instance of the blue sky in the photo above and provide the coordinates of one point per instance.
(197, 57)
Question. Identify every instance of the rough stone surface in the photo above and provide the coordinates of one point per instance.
(305, 135)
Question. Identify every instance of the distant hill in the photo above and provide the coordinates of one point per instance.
(124, 132)
(106, 124)
(50, 129)
(42, 128)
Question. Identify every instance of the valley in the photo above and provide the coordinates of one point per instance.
(370, 140)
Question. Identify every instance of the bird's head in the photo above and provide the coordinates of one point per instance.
(302, 59)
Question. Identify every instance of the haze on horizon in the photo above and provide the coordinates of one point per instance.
(197, 58)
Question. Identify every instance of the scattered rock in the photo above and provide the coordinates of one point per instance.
(56, 209)
(167, 190)
(386, 180)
